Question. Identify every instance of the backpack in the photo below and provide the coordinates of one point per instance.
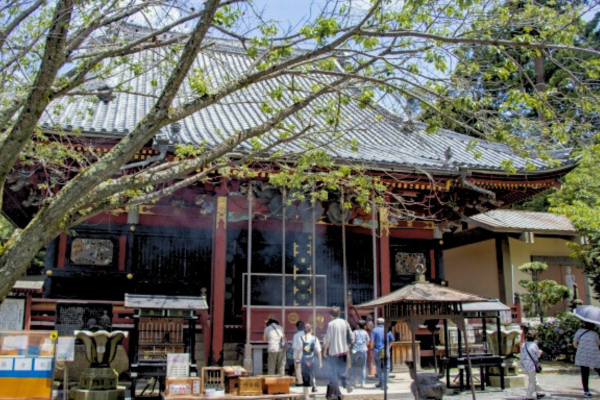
(308, 352)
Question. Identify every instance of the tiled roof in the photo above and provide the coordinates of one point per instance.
(382, 142)
(519, 221)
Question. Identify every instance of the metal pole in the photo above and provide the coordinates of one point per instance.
(413, 328)
(345, 266)
(249, 264)
(284, 198)
(469, 360)
(374, 236)
(313, 250)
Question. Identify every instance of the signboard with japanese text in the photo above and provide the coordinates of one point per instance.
(26, 364)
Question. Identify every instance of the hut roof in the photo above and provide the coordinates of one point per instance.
(423, 292)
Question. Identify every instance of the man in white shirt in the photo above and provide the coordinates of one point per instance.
(336, 349)
(274, 336)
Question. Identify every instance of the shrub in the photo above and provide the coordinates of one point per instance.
(555, 338)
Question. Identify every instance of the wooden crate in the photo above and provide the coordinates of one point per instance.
(212, 378)
(232, 373)
(232, 385)
(250, 386)
(275, 384)
(196, 383)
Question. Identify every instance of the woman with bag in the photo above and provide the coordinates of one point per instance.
(311, 358)
(588, 355)
(530, 364)
(359, 354)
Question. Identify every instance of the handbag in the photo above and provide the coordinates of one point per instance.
(282, 341)
(538, 366)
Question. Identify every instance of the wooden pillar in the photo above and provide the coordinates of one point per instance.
(219, 266)
(439, 260)
(503, 261)
(122, 252)
(62, 250)
(384, 252)
(27, 324)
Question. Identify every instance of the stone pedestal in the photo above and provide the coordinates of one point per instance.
(84, 394)
(514, 381)
(98, 379)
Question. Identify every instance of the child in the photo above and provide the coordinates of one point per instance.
(530, 356)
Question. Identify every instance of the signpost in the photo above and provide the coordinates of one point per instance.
(65, 352)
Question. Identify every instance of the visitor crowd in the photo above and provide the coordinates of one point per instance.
(340, 341)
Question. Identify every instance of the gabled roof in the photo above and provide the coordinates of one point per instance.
(523, 221)
(383, 142)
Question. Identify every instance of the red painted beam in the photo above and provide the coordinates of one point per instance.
(219, 267)
(384, 253)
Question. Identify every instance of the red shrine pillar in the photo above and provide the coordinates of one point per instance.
(219, 266)
(384, 252)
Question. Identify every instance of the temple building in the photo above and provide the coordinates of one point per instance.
(241, 243)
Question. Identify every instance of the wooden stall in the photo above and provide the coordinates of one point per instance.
(163, 325)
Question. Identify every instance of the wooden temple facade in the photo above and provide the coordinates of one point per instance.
(240, 243)
(303, 258)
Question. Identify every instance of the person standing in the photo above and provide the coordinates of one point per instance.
(588, 355)
(310, 358)
(337, 340)
(530, 356)
(359, 354)
(379, 354)
(274, 336)
(297, 346)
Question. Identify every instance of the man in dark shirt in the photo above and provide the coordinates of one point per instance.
(378, 337)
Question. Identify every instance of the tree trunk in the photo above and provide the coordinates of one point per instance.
(20, 250)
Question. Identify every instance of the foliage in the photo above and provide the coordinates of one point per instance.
(541, 295)
(555, 338)
(579, 199)
(54, 54)
(6, 231)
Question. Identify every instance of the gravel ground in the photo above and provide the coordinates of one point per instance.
(556, 386)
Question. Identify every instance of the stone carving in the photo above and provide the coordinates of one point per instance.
(569, 278)
(430, 387)
(406, 262)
